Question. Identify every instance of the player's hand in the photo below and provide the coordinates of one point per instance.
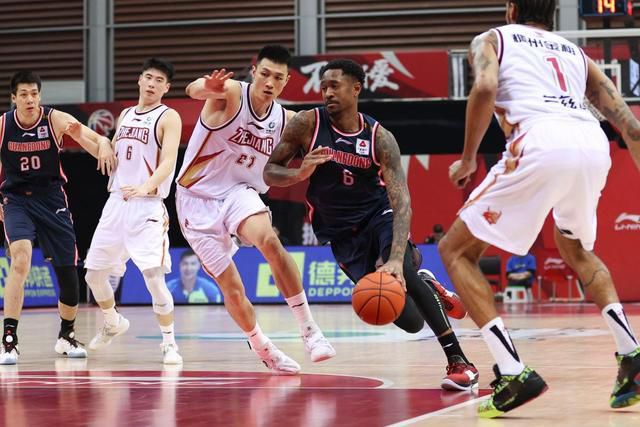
(312, 160)
(394, 268)
(74, 130)
(214, 82)
(130, 191)
(107, 160)
(460, 172)
(1, 214)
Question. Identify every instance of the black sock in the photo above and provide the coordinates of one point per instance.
(66, 327)
(10, 328)
(451, 347)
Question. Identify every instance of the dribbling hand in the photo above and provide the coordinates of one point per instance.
(395, 269)
(460, 172)
(214, 82)
(312, 160)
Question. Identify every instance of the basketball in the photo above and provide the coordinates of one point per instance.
(378, 298)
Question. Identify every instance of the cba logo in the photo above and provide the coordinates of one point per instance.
(102, 122)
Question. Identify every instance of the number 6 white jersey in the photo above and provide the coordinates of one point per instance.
(236, 152)
(542, 75)
(138, 150)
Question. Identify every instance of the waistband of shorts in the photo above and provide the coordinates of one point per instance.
(119, 195)
(182, 191)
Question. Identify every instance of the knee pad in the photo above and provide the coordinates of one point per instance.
(160, 295)
(98, 281)
(69, 284)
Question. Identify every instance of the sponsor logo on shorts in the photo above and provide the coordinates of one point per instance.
(626, 222)
(492, 217)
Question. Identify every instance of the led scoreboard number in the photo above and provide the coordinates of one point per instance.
(605, 8)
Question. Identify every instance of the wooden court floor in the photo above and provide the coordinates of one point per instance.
(381, 376)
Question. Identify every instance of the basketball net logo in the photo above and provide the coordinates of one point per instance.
(102, 122)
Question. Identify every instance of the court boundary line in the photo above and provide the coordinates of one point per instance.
(438, 412)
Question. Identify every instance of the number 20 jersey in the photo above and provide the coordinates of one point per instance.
(542, 75)
(219, 158)
(30, 156)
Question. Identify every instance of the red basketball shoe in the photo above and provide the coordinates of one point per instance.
(451, 301)
(461, 376)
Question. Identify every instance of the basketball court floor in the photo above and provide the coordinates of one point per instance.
(381, 375)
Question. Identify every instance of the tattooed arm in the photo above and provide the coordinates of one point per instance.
(388, 152)
(480, 105)
(297, 135)
(603, 95)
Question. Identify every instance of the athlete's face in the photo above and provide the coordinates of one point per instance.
(27, 98)
(153, 85)
(269, 78)
(189, 267)
(339, 91)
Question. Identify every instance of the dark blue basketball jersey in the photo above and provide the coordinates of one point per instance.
(348, 190)
(30, 156)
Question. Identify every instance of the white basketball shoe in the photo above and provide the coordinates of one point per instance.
(275, 359)
(170, 355)
(69, 346)
(108, 332)
(316, 344)
(9, 351)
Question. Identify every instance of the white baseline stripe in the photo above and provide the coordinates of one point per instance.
(438, 413)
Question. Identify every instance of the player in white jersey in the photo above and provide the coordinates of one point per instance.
(217, 196)
(556, 158)
(134, 222)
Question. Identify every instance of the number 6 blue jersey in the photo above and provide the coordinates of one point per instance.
(30, 156)
(348, 190)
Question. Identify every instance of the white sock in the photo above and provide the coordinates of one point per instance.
(111, 316)
(168, 337)
(256, 338)
(626, 341)
(504, 352)
(301, 311)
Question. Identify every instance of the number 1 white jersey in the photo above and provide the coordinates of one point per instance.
(219, 158)
(542, 75)
(138, 150)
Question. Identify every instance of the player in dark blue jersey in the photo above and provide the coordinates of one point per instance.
(34, 205)
(359, 201)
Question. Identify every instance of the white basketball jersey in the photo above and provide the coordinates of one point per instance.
(138, 150)
(236, 152)
(541, 74)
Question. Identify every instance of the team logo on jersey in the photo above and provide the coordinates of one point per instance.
(43, 132)
(492, 217)
(363, 146)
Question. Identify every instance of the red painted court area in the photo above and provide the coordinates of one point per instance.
(152, 398)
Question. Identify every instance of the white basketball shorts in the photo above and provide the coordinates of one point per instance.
(553, 165)
(135, 229)
(208, 224)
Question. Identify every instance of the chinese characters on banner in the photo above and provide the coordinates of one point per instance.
(388, 75)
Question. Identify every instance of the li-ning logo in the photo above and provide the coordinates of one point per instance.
(492, 217)
(627, 221)
(553, 264)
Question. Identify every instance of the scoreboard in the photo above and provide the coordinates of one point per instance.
(605, 8)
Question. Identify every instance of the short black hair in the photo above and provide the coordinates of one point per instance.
(537, 11)
(24, 76)
(186, 253)
(348, 67)
(275, 53)
(162, 65)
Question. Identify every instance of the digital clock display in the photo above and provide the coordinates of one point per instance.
(595, 8)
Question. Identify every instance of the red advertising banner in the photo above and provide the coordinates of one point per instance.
(388, 75)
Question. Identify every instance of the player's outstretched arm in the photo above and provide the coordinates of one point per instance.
(170, 126)
(388, 153)
(96, 145)
(296, 136)
(603, 95)
(217, 85)
(480, 105)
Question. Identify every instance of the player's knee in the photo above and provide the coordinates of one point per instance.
(69, 284)
(234, 296)
(98, 281)
(269, 243)
(20, 260)
(445, 250)
(160, 295)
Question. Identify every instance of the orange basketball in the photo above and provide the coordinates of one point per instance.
(378, 298)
